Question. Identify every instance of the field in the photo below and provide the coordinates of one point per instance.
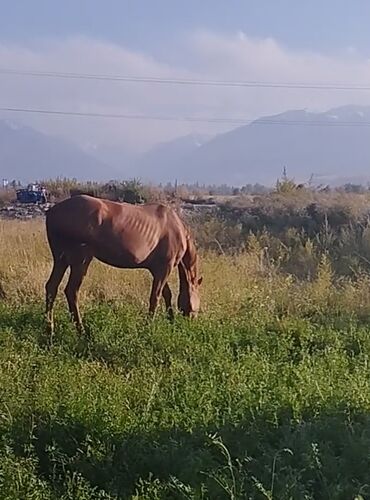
(266, 395)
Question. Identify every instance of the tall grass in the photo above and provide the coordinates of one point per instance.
(266, 395)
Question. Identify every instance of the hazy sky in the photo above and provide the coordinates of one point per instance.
(271, 40)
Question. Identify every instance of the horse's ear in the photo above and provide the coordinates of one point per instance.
(200, 280)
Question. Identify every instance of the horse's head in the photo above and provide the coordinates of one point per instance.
(189, 297)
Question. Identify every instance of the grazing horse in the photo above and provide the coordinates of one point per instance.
(122, 235)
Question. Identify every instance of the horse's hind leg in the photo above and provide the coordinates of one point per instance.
(51, 289)
(78, 272)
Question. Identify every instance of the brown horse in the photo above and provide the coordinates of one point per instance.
(127, 236)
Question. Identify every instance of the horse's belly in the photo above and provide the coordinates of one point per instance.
(124, 258)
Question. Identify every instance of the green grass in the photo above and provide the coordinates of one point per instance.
(265, 396)
(250, 406)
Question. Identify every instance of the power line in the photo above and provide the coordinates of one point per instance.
(182, 81)
(225, 120)
(125, 116)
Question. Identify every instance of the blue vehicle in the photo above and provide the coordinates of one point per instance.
(32, 194)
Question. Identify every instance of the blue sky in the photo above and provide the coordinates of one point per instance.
(276, 40)
(326, 25)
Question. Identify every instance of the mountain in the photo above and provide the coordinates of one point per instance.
(119, 157)
(28, 155)
(333, 144)
(161, 163)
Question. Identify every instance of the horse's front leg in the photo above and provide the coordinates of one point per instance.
(167, 295)
(159, 288)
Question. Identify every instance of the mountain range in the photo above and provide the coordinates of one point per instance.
(28, 155)
(331, 146)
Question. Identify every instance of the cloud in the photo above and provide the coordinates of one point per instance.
(243, 58)
(204, 55)
(83, 55)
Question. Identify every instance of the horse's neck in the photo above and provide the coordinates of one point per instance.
(184, 279)
(187, 269)
(190, 258)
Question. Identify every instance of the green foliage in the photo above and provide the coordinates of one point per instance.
(129, 191)
(296, 237)
(285, 185)
(255, 406)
